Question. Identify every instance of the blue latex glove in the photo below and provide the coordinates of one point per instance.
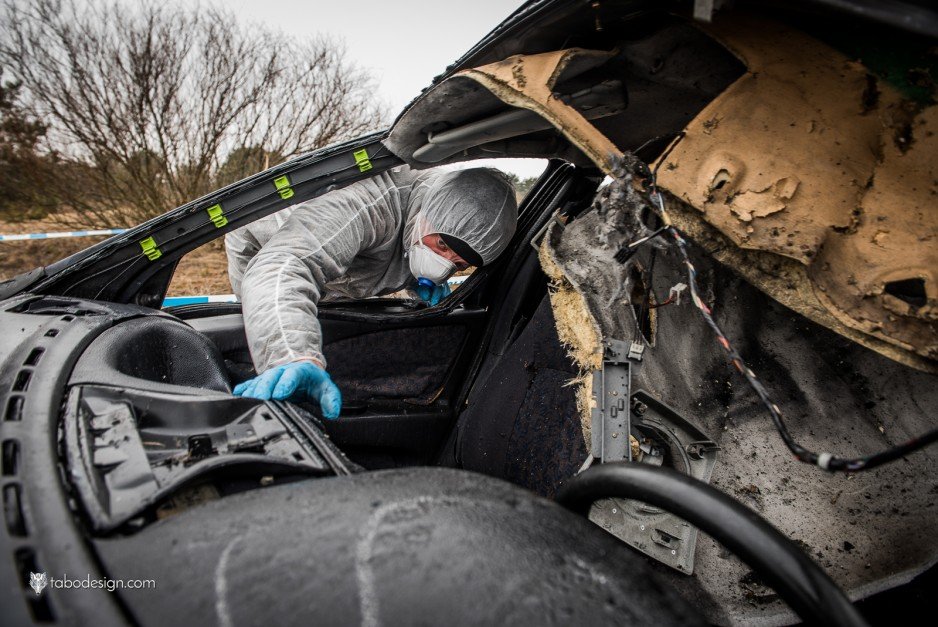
(301, 381)
(433, 295)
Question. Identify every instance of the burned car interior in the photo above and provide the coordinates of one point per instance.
(726, 269)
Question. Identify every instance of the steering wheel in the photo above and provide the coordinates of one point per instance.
(780, 562)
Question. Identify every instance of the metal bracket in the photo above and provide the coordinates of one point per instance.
(611, 405)
(541, 232)
(663, 434)
(656, 533)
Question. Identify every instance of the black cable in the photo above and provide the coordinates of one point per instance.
(646, 298)
(800, 582)
(825, 460)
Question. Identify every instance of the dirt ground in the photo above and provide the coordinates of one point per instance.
(203, 271)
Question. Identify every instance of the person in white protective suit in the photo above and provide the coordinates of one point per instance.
(401, 229)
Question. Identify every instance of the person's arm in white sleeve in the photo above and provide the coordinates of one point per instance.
(240, 249)
(284, 282)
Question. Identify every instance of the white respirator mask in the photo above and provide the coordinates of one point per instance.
(426, 264)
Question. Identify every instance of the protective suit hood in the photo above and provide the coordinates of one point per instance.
(475, 205)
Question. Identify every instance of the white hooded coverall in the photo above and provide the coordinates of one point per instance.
(352, 242)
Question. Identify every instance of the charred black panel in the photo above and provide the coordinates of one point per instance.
(153, 350)
(522, 423)
(396, 363)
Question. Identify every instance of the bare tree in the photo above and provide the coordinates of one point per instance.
(148, 102)
(22, 169)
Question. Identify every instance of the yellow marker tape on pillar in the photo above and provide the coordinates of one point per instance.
(362, 160)
(217, 215)
(150, 250)
(283, 186)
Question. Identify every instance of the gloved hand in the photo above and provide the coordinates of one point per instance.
(300, 380)
(433, 295)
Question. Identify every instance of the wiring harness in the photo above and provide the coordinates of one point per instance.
(827, 461)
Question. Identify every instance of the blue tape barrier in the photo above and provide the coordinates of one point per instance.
(176, 301)
(27, 236)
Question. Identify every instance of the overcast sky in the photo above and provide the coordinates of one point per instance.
(403, 43)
